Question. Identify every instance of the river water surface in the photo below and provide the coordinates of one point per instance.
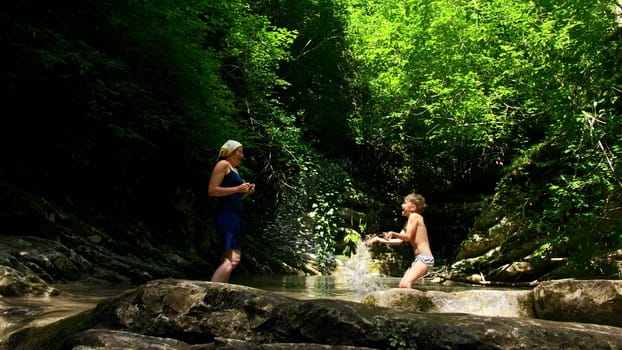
(21, 312)
(351, 281)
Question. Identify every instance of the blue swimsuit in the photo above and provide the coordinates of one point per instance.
(229, 214)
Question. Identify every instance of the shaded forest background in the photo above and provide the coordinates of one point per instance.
(500, 112)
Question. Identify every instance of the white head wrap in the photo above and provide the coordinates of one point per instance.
(229, 147)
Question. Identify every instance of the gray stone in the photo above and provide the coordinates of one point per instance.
(593, 301)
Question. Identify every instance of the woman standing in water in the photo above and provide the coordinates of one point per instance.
(416, 234)
(226, 184)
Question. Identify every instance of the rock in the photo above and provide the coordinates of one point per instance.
(400, 298)
(108, 339)
(512, 271)
(594, 301)
(45, 242)
(15, 283)
(501, 303)
(111, 339)
(463, 270)
(210, 315)
(479, 243)
(28, 264)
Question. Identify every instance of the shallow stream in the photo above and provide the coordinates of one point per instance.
(20, 312)
(351, 281)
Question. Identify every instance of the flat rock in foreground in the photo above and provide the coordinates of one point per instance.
(199, 315)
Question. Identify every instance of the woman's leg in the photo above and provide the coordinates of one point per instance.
(230, 261)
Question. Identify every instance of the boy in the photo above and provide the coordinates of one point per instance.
(416, 234)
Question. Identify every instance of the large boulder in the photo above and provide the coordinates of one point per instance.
(594, 301)
(208, 315)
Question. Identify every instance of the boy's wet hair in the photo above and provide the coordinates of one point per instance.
(418, 200)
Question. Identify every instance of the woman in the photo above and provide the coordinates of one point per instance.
(226, 184)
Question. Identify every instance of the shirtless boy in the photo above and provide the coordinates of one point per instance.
(416, 234)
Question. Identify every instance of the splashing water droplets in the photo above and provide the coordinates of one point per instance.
(356, 271)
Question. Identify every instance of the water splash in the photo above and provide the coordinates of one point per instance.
(356, 272)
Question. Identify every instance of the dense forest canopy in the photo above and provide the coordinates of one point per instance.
(507, 108)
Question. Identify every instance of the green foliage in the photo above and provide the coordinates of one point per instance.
(556, 210)
(446, 97)
(399, 335)
(471, 81)
(352, 239)
(459, 90)
(123, 104)
(328, 186)
(325, 229)
(318, 93)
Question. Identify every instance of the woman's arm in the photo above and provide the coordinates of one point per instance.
(219, 172)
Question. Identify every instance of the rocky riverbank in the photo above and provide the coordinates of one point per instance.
(183, 314)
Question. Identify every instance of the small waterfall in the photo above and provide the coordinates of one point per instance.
(482, 302)
(356, 272)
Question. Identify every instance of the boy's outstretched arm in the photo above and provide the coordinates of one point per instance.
(377, 239)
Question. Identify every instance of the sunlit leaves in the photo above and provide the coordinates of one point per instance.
(472, 85)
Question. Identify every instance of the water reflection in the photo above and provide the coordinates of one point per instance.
(335, 286)
(447, 297)
(301, 287)
(351, 281)
(21, 312)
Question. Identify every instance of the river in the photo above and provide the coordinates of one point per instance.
(351, 281)
(21, 312)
